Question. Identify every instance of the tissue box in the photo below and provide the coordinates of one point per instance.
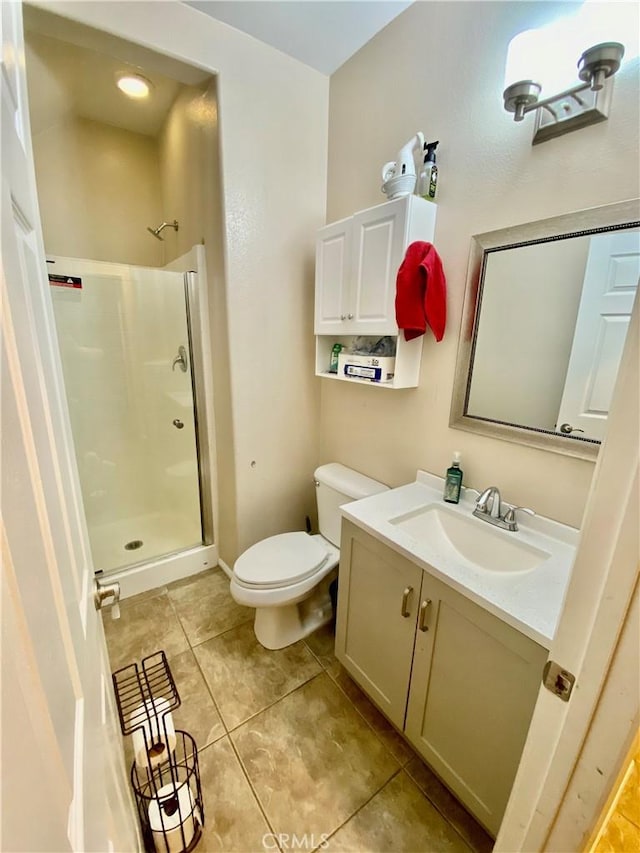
(374, 368)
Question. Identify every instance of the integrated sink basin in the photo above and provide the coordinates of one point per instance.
(457, 536)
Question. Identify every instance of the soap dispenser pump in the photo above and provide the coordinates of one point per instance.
(453, 481)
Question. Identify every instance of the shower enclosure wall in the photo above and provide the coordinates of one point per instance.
(127, 356)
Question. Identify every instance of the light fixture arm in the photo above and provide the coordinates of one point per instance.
(553, 99)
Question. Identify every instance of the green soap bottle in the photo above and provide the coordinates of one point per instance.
(453, 481)
(336, 349)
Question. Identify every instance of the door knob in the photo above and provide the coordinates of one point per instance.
(102, 592)
(567, 429)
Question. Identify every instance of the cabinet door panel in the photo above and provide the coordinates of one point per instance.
(378, 247)
(333, 262)
(473, 690)
(374, 640)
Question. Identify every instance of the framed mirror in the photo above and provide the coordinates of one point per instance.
(546, 310)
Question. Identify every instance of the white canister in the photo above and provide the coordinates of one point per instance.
(156, 724)
(175, 831)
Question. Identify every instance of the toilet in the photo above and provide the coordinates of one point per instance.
(287, 577)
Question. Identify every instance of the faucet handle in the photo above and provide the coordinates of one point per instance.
(510, 515)
(490, 493)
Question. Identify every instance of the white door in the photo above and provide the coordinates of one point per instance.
(333, 269)
(63, 777)
(610, 285)
(379, 241)
(591, 631)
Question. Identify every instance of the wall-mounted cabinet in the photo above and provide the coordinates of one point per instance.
(357, 261)
(460, 683)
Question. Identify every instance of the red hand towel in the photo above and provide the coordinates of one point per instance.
(421, 292)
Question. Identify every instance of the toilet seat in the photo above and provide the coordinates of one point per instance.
(281, 560)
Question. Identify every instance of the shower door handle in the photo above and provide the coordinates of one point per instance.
(178, 424)
(180, 359)
(104, 591)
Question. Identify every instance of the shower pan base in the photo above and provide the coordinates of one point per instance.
(173, 567)
(115, 545)
(145, 551)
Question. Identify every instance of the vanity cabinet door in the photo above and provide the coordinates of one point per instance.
(378, 595)
(333, 272)
(473, 689)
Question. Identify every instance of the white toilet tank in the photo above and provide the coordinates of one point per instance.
(336, 485)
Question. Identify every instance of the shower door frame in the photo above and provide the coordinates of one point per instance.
(199, 351)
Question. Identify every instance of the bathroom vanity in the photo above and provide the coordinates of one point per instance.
(448, 646)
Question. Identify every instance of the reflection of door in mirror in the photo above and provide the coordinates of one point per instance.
(610, 286)
(526, 322)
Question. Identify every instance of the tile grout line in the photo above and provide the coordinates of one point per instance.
(222, 720)
(403, 766)
(466, 841)
(175, 613)
(358, 711)
(276, 701)
(215, 636)
(253, 790)
(366, 802)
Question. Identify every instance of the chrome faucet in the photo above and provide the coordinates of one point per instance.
(489, 508)
(489, 503)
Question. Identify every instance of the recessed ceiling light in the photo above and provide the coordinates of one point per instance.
(134, 85)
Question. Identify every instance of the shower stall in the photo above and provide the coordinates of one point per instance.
(128, 338)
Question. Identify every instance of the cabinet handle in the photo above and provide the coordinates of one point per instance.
(350, 316)
(422, 622)
(404, 609)
(343, 317)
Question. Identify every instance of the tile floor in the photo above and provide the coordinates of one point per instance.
(288, 743)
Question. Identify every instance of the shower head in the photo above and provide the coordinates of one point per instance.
(156, 231)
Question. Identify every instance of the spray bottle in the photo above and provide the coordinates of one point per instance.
(428, 180)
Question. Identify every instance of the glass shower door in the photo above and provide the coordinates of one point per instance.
(126, 357)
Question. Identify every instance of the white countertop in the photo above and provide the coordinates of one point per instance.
(529, 601)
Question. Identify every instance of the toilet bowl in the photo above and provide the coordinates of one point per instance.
(287, 577)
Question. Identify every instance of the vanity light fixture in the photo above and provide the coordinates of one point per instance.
(134, 85)
(539, 63)
(581, 105)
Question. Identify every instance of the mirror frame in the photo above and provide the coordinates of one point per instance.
(594, 220)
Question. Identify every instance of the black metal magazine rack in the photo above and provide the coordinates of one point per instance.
(164, 775)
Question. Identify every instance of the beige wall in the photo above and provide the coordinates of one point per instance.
(98, 188)
(192, 194)
(431, 70)
(273, 137)
(530, 302)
